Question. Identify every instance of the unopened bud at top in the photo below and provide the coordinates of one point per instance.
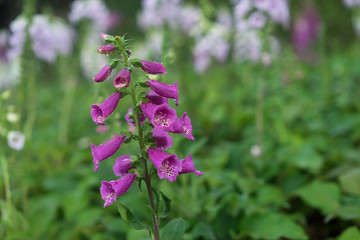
(104, 36)
(106, 49)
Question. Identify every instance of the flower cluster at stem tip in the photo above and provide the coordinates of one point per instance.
(150, 114)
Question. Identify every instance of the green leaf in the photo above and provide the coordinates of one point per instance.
(320, 195)
(174, 230)
(167, 206)
(351, 233)
(203, 230)
(272, 226)
(349, 182)
(307, 158)
(128, 217)
(349, 212)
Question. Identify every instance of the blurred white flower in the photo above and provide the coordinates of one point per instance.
(256, 151)
(94, 10)
(12, 117)
(16, 140)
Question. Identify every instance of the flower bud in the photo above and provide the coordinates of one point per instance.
(153, 67)
(103, 74)
(105, 36)
(106, 49)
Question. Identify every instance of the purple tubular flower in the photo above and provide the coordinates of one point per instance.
(100, 112)
(122, 79)
(163, 117)
(168, 166)
(162, 139)
(106, 49)
(183, 125)
(165, 90)
(103, 74)
(148, 109)
(111, 190)
(122, 166)
(188, 166)
(153, 67)
(106, 150)
(156, 99)
(130, 121)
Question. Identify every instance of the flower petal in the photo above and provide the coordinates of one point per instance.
(100, 112)
(153, 67)
(122, 165)
(106, 150)
(165, 90)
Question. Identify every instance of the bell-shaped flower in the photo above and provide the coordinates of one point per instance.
(103, 74)
(165, 90)
(100, 112)
(106, 150)
(188, 166)
(122, 79)
(106, 49)
(122, 165)
(111, 190)
(153, 67)
(162, 139)
(183, 125)
(129, 117)
(156, 99)
(168, 166)
(163, 117)
(148, 109)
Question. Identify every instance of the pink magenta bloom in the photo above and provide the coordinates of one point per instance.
(104, 36)
(183, 125)
(111, 190)
(130, 121)
(153, 67)
(122, 166)
(162, 139)
(122, 79)
(106, 49)
(156, 99)
(165, 90)
(100, 112)
(168, 166)
(148, 109)
(163, 117)
(188, 166)
(103, 74)
(106, 150)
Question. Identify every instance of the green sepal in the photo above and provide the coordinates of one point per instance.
(167, 206)
(128, 217)
(110, 39)
(136, 62)
(143, 84)
(113, 63)
(139, 183)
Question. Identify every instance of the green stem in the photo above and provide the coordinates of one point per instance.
(147, 177)
(7, 187)
(259, 118)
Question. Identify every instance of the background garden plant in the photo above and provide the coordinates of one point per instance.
(276, 134)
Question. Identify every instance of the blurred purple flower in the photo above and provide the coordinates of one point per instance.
(305, 31)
